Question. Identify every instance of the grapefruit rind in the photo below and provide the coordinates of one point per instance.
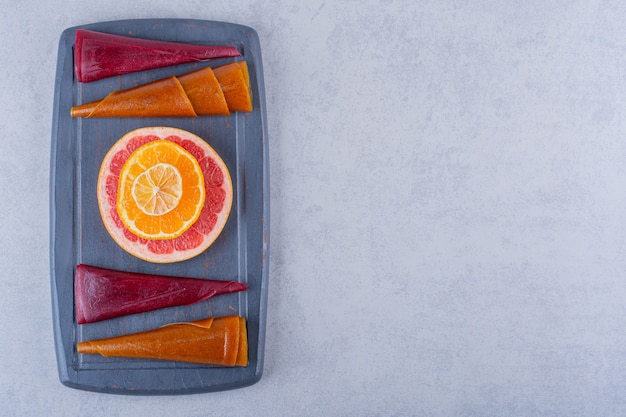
(209, 225)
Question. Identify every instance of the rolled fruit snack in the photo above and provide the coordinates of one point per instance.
(101, 55)
(204, 92)
(102, 293)
(214, 341)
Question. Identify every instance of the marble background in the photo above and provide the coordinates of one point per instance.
(448, 210)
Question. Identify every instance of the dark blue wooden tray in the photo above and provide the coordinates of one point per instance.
(78, 235)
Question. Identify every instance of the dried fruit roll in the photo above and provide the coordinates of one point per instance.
(213, 341)
(101, 55)
(203, 92)
(103, 294)
(235, 83)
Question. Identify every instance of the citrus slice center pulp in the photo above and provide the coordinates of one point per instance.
(158, 190)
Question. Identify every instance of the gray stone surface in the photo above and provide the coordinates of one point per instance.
(447, 209)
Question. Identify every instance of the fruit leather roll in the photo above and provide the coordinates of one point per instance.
(203, 92)
(102, 293)
(101, 55)
(214, 341)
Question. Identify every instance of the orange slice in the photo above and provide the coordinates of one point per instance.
(161, 191)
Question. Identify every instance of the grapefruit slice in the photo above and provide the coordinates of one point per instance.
(213, 215)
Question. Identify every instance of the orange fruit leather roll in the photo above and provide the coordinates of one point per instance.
(203, 92)
(242, 351)
(235, 83)
(213, 341)
(161, 98)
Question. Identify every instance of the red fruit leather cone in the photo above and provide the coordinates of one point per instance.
(101, 55)
(102, 294)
